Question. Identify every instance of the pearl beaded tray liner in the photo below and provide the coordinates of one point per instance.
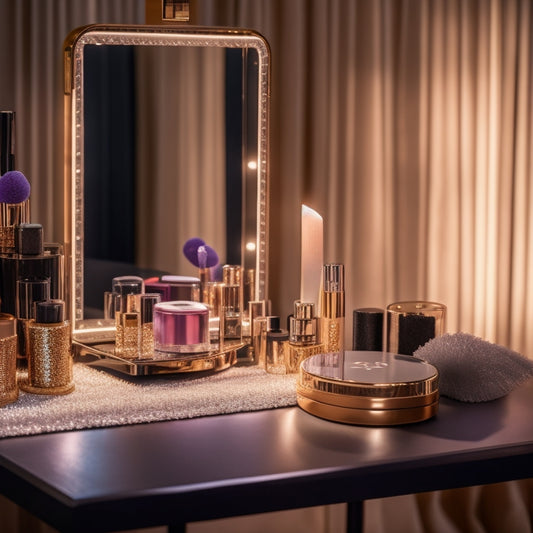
(101, 399)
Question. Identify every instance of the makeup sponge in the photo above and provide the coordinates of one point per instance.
(474, 370)
(200, 254)
(14, 187)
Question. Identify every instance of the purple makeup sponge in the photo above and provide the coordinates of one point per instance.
(474, 370)
(207, 256)
(190, 249)
(14, 187)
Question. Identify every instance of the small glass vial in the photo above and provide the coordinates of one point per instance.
(302, 335)
(231, 277)
(122, 286)
(184, 288)
(8, 359)
(50, 358)
(276, 340)
(413, 323)
(146, 307)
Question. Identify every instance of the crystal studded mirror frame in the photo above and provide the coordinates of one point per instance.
(186, 36)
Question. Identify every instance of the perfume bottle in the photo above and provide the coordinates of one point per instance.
(302, 335)
(122, 287)
(332, 308)
(276, 340)
(50, 358)
(231, 277)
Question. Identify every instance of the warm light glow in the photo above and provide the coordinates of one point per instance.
(312, 256)
(250, 246)
(252, 165)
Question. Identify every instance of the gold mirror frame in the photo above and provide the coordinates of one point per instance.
(74, 144)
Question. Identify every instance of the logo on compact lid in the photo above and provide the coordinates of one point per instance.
(369, 366)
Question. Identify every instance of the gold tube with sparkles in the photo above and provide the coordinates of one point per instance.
(8, 360)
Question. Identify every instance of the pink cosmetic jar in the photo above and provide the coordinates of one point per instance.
(181, 327)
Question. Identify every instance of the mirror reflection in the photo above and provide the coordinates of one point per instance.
(173, 146)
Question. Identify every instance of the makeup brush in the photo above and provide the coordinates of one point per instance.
(474, 370)
(14, 207)
(201, 256)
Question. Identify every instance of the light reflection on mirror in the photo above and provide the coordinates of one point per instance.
(165, 122)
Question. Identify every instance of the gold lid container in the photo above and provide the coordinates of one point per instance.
(368, 388)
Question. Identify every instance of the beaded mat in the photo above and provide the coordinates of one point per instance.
(102, 399)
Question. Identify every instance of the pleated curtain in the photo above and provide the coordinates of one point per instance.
(407, 124)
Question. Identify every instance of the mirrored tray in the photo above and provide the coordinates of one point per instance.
(103, 356)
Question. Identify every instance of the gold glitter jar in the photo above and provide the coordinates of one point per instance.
(8, 359)
(50, 360)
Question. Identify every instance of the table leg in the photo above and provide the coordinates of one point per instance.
(354, 517)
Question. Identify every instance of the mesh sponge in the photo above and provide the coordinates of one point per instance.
(474, 370)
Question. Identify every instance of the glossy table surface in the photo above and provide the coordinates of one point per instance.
(182, 471)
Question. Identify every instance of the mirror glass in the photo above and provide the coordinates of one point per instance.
(168, 141)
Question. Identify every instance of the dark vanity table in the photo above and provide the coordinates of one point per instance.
(204, 468)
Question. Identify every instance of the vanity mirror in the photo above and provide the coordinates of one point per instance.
(166, 139)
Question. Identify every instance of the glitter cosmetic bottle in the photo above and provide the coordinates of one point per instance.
(332, 308)
(302, 335)
(8, 359)
(50, 358)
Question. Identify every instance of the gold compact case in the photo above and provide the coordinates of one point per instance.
(368, 388)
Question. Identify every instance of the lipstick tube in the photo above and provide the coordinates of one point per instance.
(8, 360)
(302, 335)
(332, 308)
(50, 358)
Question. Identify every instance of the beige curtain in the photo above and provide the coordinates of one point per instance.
(406, 123)
(181, 154)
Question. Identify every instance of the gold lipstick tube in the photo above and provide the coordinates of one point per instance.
(332, 308)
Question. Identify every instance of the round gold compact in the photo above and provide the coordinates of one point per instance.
(368, 388)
